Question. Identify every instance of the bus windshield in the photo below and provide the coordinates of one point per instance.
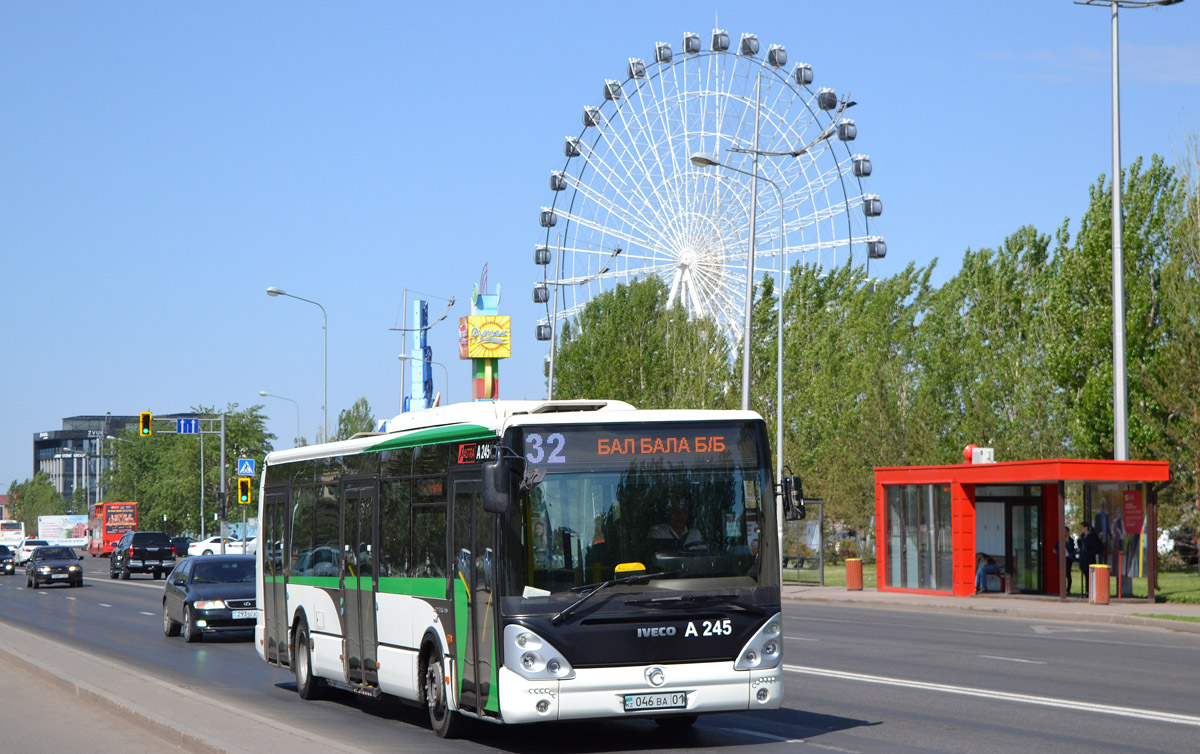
(682, 504)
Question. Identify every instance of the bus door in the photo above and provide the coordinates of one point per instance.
(359, 548)
(270, 545)
(474, 608)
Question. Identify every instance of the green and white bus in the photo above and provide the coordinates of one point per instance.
(524, 561)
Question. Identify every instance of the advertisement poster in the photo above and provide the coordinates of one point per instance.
(69, 531)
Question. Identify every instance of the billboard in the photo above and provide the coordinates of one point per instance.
(69, 531)
(488, 337)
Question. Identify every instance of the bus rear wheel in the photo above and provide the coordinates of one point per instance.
(307, 685)
(444, 721)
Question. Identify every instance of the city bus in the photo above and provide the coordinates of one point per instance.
(11, 532)
(507, 561)
(107, 523)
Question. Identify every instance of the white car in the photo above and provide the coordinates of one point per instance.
(26, 548)
(212, 546)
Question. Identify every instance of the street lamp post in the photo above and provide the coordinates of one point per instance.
(705, 160)
(273, 291)
(265, 394)
(1120, 397)
(446, 372)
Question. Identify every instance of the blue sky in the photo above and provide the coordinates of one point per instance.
(162, 164)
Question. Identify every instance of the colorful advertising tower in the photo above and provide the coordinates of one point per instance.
(485, 337)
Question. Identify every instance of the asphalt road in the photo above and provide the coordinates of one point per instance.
(858, 680)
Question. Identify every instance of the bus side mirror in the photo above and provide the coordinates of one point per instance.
(793, 499)
(497, 484)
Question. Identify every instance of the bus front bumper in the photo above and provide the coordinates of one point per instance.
(689, 689)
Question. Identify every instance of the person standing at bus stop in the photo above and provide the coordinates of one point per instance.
(1089, 552)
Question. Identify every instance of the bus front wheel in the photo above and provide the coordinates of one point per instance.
(444, 721)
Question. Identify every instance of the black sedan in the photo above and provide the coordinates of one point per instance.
(209, 594)
(53, 565)
(8, 561)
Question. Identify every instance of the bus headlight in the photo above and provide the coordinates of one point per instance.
(532, 657)
(765, 648)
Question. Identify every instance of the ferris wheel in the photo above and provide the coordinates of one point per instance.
(659, 182)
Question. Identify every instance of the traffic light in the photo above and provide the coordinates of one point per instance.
(146, 431)
(244, 490)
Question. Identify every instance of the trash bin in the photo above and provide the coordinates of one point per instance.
(1098, 584)
(854, 574)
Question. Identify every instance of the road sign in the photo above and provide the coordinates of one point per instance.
(245, 467)
(187, 426)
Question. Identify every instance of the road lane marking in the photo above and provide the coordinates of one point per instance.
(799, 638)
(1044, 629)
(1044, 701)
(1012, 659)
(104, 604)
(143, 612)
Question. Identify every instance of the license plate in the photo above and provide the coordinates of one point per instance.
(242, 614)
(58, 575)
(675, 700)
(152, 562)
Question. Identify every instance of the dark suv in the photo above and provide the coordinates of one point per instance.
(142, 552)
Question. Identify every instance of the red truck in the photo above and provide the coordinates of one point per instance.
(107, 523)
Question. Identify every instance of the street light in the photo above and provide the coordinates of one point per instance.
(265, 394)
(708, 160)
(273, 291)
(406, 357)
(1120, 397)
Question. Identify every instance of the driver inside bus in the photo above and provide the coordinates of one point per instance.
(675, 531)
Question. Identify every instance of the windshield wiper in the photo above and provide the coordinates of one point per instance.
(690, 600)
(562, 614)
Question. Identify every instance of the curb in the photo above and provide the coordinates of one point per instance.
(1097, 616)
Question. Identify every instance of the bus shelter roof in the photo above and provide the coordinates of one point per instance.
(1028, 472)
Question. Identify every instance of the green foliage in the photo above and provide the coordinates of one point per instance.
(357, 418)
(627, 345)
(32, 498)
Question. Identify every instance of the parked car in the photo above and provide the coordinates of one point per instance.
(26, 548)
(142, 552)
(8, 561)
(209, 594)
(212, 546)
(53, 565)
(180, 545)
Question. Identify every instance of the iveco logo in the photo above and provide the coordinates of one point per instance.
(655, 676)
(656, 631)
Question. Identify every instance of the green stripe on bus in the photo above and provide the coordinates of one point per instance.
(434, 588)
(417, 587)
(325, 582)
(450, 433)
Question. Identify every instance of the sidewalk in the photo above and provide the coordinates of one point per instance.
(1128, 612)
(154, 714)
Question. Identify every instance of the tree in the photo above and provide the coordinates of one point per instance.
(983, 362)
(626, 344)
(1174, 382)
(1080, 306)
(32, 498)
(357, 418)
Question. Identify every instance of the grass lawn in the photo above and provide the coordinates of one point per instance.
(1173, 586)
(835, 575)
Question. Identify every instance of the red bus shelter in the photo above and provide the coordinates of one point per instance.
(932, 520)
